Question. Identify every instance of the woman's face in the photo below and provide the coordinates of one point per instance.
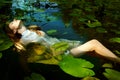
(16, 26)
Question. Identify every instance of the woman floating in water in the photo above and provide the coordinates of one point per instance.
(21, 36)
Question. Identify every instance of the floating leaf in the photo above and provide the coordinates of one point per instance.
(117, 52)
(52, 61)
(35, 76)
(59, 47)
(101, 30)
(82, 19)
(108, 65)
(88, 9)
(90, 78)
(111, 74)
(116, 39)
(93, 24)
(50, 32)
(1, 41)
(116, 31)
(0, 55)
(5, 45)
(76, 66)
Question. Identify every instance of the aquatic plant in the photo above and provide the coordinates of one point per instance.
(5, 43)
(111, 74)
(115, 39)
(34, 76)
(84, 13)
(100, 15)
(76, 67)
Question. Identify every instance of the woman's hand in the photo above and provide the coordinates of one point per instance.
(19, 46)
(41, 33)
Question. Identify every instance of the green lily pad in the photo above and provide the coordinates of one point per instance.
(96, 23)
(90, 78)
(59, 47)
(117, 52)
(35, 76)
(116, 39)
(0, 55)
(50, 32)
(5, 45)
(108, 65)
(76, 67)
(111, 74)
(101, 30)
(1, 41)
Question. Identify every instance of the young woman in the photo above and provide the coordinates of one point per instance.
(21, 36)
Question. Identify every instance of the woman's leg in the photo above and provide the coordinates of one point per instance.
(95, 45)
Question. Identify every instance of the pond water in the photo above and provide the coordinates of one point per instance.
(48, 22)
(54, 23)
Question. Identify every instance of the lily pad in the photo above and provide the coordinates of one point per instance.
(59, 47)
(35, 76)
(76, 67)
(96, 23)
(116, 39)
(1, 41)
(50, 32)
(0, 55)
(90, 78)
(108, 65)
(111, 74)
(101, 30)
(5, 45)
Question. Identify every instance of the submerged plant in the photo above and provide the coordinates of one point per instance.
(55, 56)
(116, 40)
(111, 74)
(5, 43)
(35, 76)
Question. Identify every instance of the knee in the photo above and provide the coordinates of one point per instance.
(94, 41)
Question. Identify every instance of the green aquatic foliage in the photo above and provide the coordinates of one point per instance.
(116, 31)
(38, 53)
(52, 31)
(101, 30)
(0, 55)
(59, 48)
(107, 65)
(93, 24)
(52, 61)
(117, 52)
(90, 78)
(111, 74)
(4, 2)
(35, 76)
(55, 53)
(76, 67)
(116, 39)
(5, 43)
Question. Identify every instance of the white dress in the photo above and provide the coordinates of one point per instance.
(30, 36)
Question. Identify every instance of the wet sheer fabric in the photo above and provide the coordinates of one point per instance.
(46, 49)
(29, 37)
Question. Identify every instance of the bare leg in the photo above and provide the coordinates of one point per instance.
(95, 45)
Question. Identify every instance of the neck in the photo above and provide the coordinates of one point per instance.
(22, 29)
